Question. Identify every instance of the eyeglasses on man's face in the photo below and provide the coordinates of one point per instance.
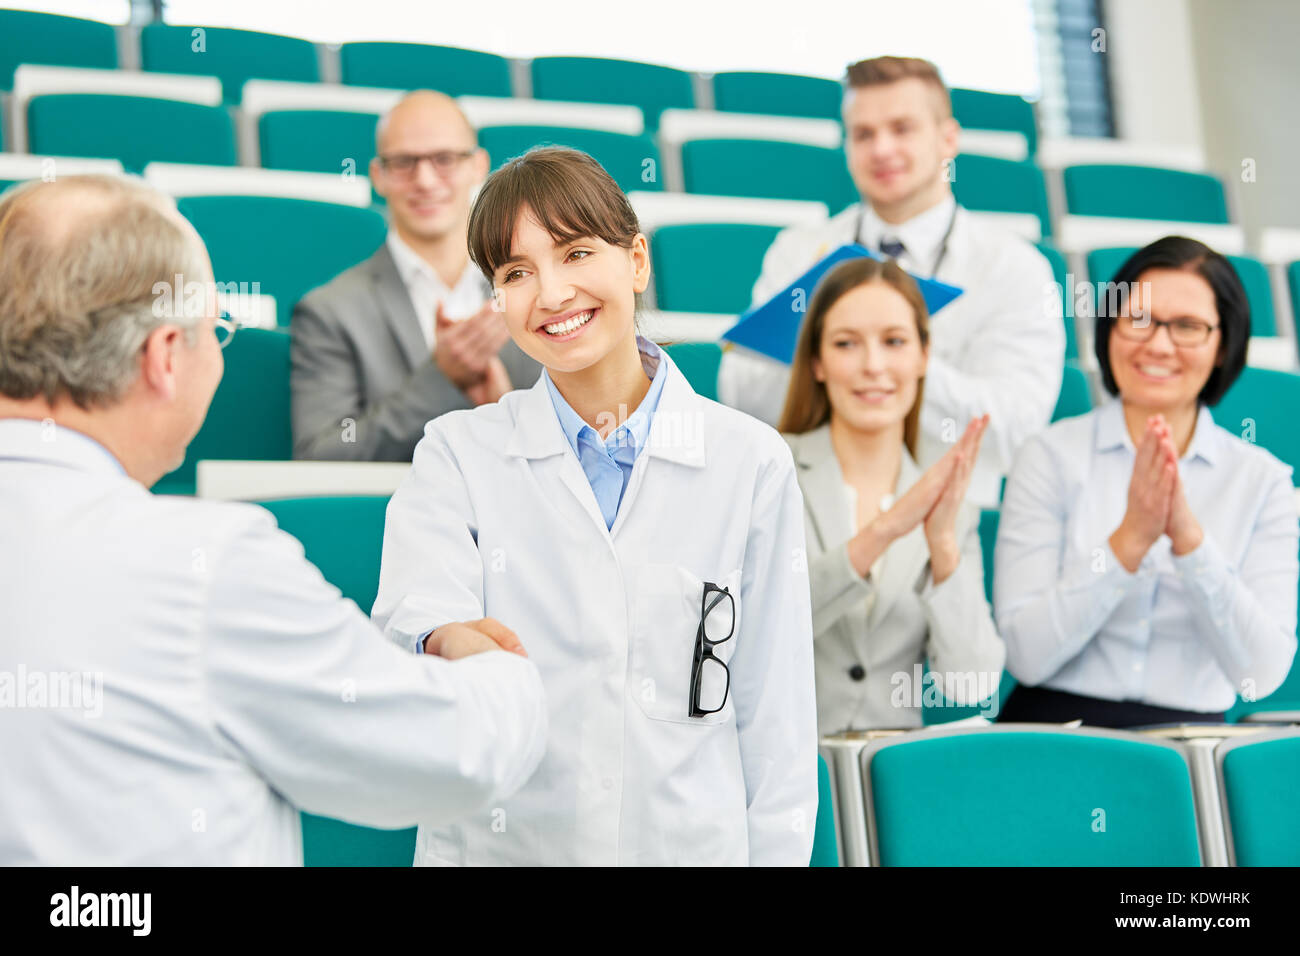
(1187, 333)
(223, 326)
(444, 162)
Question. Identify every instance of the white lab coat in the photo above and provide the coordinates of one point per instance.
(235, 683)
(998, 348)
(497, 517)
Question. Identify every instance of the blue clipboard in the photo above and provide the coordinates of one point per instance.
(772, 328)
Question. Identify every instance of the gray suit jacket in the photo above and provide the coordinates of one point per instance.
(364, 380)
(891, 622)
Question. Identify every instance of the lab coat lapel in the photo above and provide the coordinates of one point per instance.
(537, 436)
(396, 308)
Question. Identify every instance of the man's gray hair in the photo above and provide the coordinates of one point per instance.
(85, 264)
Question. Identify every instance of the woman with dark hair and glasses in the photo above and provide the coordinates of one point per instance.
(1146, 559)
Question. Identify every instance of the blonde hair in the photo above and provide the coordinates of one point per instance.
(807, 405)
(78, 297)
(882, 70)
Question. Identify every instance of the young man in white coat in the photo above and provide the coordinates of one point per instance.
(176, 679)
(998, 348)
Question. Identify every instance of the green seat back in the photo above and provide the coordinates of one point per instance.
(991, 184)
(1144, 192)
(989, 518)
(768, 169)
(1260, 781)
(318, 141)
(249, 416)
(1060, 275)
(977, 109)
(1103, 264)
(288, 246)
(586, 79)
(1074, 399)
(418, 66)
(233, 56)
(708, 267)
(54, 41)
(1261, 407)
(1032, 799)
(1293, 285)
(699, 362)
(137, 130)
(825, 851)
(343, 537)
(633, 161)
(779, 94)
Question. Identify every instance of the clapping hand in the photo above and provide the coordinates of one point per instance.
(466, 347)
(941, 522)
(1157, 502)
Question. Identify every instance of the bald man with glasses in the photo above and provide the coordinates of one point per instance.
(410, 333)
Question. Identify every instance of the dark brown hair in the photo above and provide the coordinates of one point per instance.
(568, 193)
(882, 70)
(807, 405)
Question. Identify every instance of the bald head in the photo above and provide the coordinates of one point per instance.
(422, 109)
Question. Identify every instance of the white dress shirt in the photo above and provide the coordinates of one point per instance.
(427, 289)
(998, 348)
(224, 683)
(1189, 632)
(497, 517)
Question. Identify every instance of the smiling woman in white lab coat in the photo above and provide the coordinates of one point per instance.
(651, 563)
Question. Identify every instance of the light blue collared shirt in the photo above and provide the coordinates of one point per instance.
(608, 464)
(1189, 632)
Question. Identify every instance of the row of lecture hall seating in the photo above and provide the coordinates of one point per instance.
(1027, 797)
(236, 56)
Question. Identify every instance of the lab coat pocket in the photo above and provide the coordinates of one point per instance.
(666, 617)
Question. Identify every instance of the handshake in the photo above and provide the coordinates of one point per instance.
(463, 638)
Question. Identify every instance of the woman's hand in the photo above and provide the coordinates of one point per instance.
(906, 513)
(1184, 530)
(1150, 496)
(941, 522)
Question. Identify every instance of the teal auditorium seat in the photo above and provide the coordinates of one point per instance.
(1061, 276)
(1260, 778)
(54, 41)
(699, 362)
(137, 130)
(708, 267)
(778, 94)
(417, 66)
(1144, 192)
(990, 184)
(825, 851)
(978, 109)
(1262, 406)
(585, 79)
(1029, 797)
(633, 161)
(1075, 398)
(343, 537)
(317, 141)
(1293, 285)
(249, 416)
(1104, 263)
(744, 167)
(233, 56)
(288, 246)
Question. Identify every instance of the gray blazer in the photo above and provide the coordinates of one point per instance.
(364, 382)
(890, 624)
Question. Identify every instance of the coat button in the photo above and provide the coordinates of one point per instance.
(857, 672)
